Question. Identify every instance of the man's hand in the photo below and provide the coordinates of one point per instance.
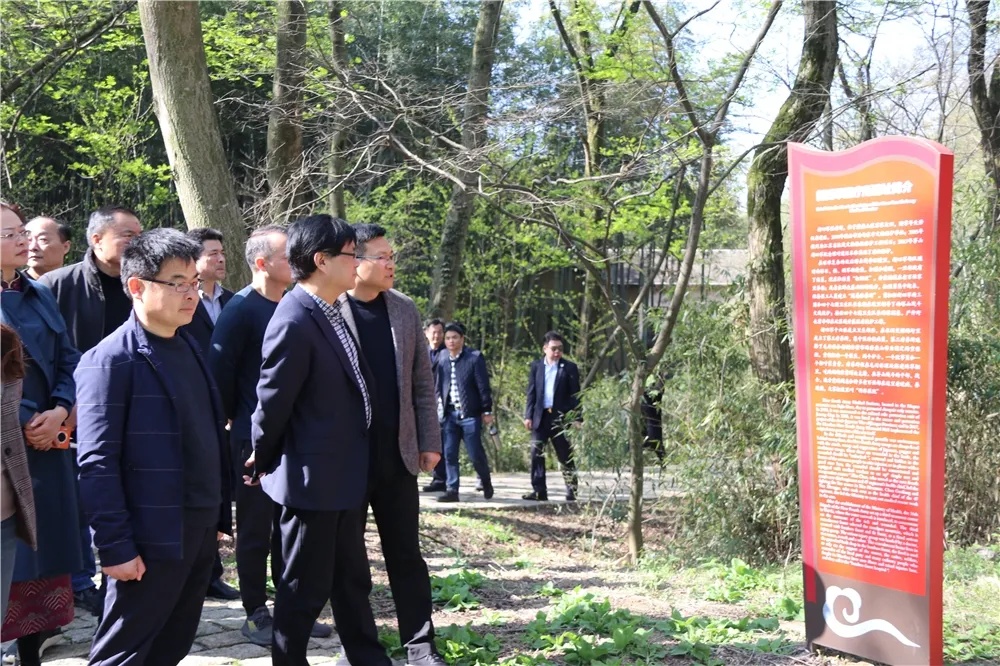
(131, 570)
(527, 424)
(42, 429)
(429, 460)
(70, 421)
(487, 419)
(248, 479)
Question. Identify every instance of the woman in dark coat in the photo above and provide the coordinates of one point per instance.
(41, 597)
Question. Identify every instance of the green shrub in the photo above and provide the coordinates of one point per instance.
(972, 482)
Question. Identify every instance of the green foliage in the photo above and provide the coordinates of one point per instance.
(973, 457)
(737, 462)
(462, 646)
(585, 630)
(734, 582)
(980, 642)
(390, 640)
(455, 590)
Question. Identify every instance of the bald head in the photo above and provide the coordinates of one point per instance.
(48, 244)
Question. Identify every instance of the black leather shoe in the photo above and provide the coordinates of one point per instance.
(435, 487)
(218, 589)
(321, 630)
(90, 600)
(488, 489)
(536, 497)
(450, 496)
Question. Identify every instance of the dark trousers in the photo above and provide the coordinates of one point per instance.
(153, 621)
(550, 429)
(325, 558)
(455, 430)
(254, 520)
(396, 506)
(440, 474)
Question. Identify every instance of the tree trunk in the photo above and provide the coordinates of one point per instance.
(284, 126)
(770, 354)
(986, 103)
(183, 102)
(338, 136)
(444, 286)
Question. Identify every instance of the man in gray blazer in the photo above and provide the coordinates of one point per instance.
(404, 439)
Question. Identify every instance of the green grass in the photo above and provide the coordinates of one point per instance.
(496, 532)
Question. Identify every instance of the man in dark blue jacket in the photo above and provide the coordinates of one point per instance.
(311, 446)
(465, 403)
(553, 395)
(212, 297)
(154, 474)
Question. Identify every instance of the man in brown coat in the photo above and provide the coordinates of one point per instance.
(405, 437)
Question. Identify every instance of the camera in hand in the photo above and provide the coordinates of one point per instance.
(62, 438)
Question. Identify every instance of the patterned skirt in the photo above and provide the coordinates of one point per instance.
(37, 605)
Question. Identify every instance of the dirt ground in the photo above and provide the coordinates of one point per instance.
(568, 545)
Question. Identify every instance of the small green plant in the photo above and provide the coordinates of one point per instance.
(738, 579)
(455, 590)
(389, 639)
(981, 642)
(463, 646)
(549, 590)
(789, 609)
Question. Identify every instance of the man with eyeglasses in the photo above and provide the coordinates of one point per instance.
(405, 438)
(311, 440)
(154, 471)
(93, 304)
(553, 396)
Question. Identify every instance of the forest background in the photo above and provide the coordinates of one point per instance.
(570, 165)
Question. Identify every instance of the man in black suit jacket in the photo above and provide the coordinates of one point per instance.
(311, 446)
(553, 393)
(212, 297)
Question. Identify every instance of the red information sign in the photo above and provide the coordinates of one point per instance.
(871, 239)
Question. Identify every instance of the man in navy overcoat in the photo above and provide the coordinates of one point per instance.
(310, 435)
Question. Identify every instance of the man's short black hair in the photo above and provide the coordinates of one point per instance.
(316, 233)
(454, 327)
(366, 232)
(65, 231)
(434, 322)
(104, 217)
(550, 336)
(202, 234)
(146, 254)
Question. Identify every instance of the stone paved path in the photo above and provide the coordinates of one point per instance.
(594, 487)
(219, 640)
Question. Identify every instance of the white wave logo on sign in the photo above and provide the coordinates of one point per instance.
(853, 630)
